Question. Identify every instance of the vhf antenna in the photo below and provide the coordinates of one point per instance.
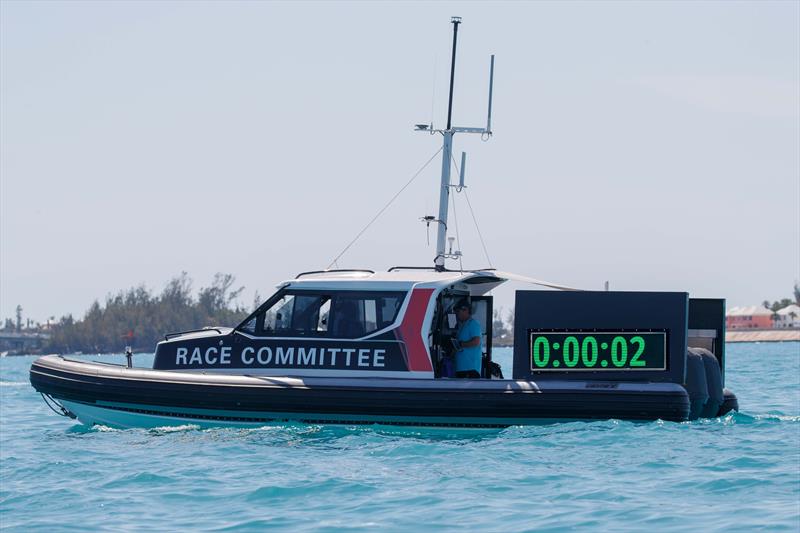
(447, 154)
(456, 21)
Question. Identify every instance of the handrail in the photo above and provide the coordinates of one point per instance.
(338, 270)
(168, 335)
(396, 268)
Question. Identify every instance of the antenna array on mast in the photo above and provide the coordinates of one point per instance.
(447, 154)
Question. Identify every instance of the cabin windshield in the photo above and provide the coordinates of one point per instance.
(334, 314)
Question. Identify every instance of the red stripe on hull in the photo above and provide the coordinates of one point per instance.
(410, 331)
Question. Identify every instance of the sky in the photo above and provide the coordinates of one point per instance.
(654, 145)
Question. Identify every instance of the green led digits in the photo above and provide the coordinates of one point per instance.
(619, 351)
(541, 352)
(635, 359)
(589, 351)
(570, 351)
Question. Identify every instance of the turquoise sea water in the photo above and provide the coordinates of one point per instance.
(737, 473)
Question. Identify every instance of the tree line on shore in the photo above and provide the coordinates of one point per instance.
(139, 318)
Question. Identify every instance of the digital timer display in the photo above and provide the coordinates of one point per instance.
(564, 351)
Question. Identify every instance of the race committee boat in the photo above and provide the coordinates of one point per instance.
(341, 346)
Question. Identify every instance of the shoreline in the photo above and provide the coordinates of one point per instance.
(762, 335)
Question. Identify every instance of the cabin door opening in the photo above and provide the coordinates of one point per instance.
(445, 328)
(482, 312)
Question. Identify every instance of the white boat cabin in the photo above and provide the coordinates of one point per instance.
(413, 307)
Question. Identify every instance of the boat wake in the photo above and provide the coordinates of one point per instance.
(745, 418)
(14, 383)
(174, 429)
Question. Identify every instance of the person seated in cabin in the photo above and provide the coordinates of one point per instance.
(346, 320)
(467, 342)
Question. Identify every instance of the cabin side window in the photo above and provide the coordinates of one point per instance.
(358, 314)
(297, 315)
(340, 314)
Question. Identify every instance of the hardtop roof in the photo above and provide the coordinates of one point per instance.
(363, 279)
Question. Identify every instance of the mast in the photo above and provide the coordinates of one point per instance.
(447, 154)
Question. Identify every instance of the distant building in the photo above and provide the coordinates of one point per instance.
(754, 316)
(788, 317)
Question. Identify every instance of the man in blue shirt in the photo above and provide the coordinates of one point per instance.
(468, 356)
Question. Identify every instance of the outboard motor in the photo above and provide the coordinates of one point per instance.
(704, 385)
(705, 361)
(714, 380)
(696, 383)
(729, 403)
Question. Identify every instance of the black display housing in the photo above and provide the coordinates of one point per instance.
(602, 311)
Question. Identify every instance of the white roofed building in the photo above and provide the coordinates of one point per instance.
(788, 317)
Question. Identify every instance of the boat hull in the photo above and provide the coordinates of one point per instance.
(117, 396)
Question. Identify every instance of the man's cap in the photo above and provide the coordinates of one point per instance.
(463, 304)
